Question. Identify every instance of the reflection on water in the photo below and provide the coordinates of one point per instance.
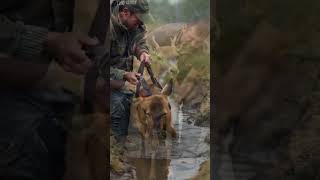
(184, 168)
(143, 168)
(179, 116)
(180, 158)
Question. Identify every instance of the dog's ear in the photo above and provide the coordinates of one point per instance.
(144, 93)
(168, 88)
(136, 112)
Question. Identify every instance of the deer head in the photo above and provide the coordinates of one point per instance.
(167, 52)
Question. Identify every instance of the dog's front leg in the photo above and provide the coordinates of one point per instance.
(143, 148)
(152, 175)
(148, 147)
(168, 145)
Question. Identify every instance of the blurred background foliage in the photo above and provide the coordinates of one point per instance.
(171, 11)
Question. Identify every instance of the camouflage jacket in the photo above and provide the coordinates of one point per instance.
(124, 45)
(24, 25)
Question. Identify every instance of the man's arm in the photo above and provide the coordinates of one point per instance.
(28, 42)
(117, 74)
(20, 40)
(140, 42)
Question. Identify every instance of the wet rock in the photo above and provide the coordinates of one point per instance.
(204, 172)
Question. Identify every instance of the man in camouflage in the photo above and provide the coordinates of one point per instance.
(127, 40)
(31, 35)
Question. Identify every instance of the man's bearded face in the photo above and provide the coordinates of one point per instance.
(130, 20)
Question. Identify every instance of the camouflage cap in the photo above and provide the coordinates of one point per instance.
(139, 7)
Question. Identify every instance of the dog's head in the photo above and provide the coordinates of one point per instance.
(152, 113)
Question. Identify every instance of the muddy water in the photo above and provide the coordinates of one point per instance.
(176, 159)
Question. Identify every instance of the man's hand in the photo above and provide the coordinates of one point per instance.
(131, 77)
(68, 50)
(145, 57)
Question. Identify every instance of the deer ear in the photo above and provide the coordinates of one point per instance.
(168, 88)
(173, 41)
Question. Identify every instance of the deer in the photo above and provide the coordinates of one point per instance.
(167, 52)
(168, 58)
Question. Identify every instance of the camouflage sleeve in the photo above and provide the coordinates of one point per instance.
(19, 39)
(116, 74)
(140, 42)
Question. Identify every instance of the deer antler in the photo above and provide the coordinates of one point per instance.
(155, 42)
(173, 41)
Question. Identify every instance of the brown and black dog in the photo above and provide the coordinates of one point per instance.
(153, 113)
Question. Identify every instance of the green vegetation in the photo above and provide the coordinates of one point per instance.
(198, 60)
